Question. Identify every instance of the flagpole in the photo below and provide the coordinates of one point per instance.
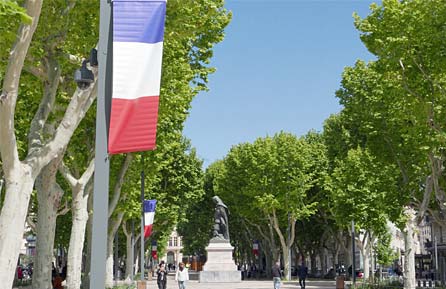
(102, 164)
(132, 251)
(142, 217)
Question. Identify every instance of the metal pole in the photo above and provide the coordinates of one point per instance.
(102, 165)
(436, 257)
(142, 219)
(353, 254)
(289, 249)
(115, 261)
(132, 243)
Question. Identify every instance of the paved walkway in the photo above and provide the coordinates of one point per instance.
(249, 284)
(192, 284)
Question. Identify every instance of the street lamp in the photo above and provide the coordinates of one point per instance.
(83, 76)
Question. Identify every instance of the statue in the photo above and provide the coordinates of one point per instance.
(221, 229)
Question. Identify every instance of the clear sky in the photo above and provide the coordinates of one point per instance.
(277, 70)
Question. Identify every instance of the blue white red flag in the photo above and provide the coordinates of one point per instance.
(255, 248)
(138, 34)
(154, 250)
(149, 215)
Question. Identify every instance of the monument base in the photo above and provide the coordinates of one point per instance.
(219, 266)
(220, 276)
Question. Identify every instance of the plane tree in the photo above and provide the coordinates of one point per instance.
(267, 183)
(40, 72)
(30, 83)
(363, 190)
(397, 101)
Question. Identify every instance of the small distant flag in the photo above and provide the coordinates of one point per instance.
(149, 215)
(255, 248)
(138, 35)
(154, 250)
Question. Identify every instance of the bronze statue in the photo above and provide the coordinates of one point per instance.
(221, 228)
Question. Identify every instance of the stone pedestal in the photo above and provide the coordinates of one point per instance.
(219, 266)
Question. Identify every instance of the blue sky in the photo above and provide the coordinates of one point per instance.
(277, 70)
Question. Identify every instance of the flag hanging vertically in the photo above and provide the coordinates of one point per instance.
(138, 33)
(154, 250)
(149, 215)
(255, 248)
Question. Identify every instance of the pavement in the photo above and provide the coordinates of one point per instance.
(247, 284)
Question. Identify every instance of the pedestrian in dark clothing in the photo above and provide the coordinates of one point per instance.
(57, 282)
(64, 272)
(19, 273)
(162, 277)
(302, 273)
(277, 275)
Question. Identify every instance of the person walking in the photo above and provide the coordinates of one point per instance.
(161, 277)
(302, 273)
(182, 275)
(277, 275)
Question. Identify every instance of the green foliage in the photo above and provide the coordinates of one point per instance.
(199, 217)
(63, 231)
(176, 184)
(397, 101)
(364, 190)
(173, 170)
(274, 176)
(12, 8)
(385, 255)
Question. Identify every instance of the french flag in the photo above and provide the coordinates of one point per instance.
(255, 248)
(149, 215)
(154, 250)
(138, 33)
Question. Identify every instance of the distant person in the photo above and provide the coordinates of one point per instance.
(161, 277)
(399, 271)
(302, 273)
(19, 273)
(63, 274)
(181, 276)
(53, 272)
(277, 275)
(57, 282)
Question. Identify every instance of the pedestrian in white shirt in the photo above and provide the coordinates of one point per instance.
(182, 275)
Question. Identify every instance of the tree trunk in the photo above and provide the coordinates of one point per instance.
(323, 257)
(129, 257)
(285, 243)
(49, 200)
(129, 240)
(409, 250)
(313, 268)
(86, 278)
(49, 195)
(113, 228)
(77, 238)
(348, 253)
(109, 262)
(12, 220)
(373, 262)
(366, 260)
(18, 176)
(269, 261)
